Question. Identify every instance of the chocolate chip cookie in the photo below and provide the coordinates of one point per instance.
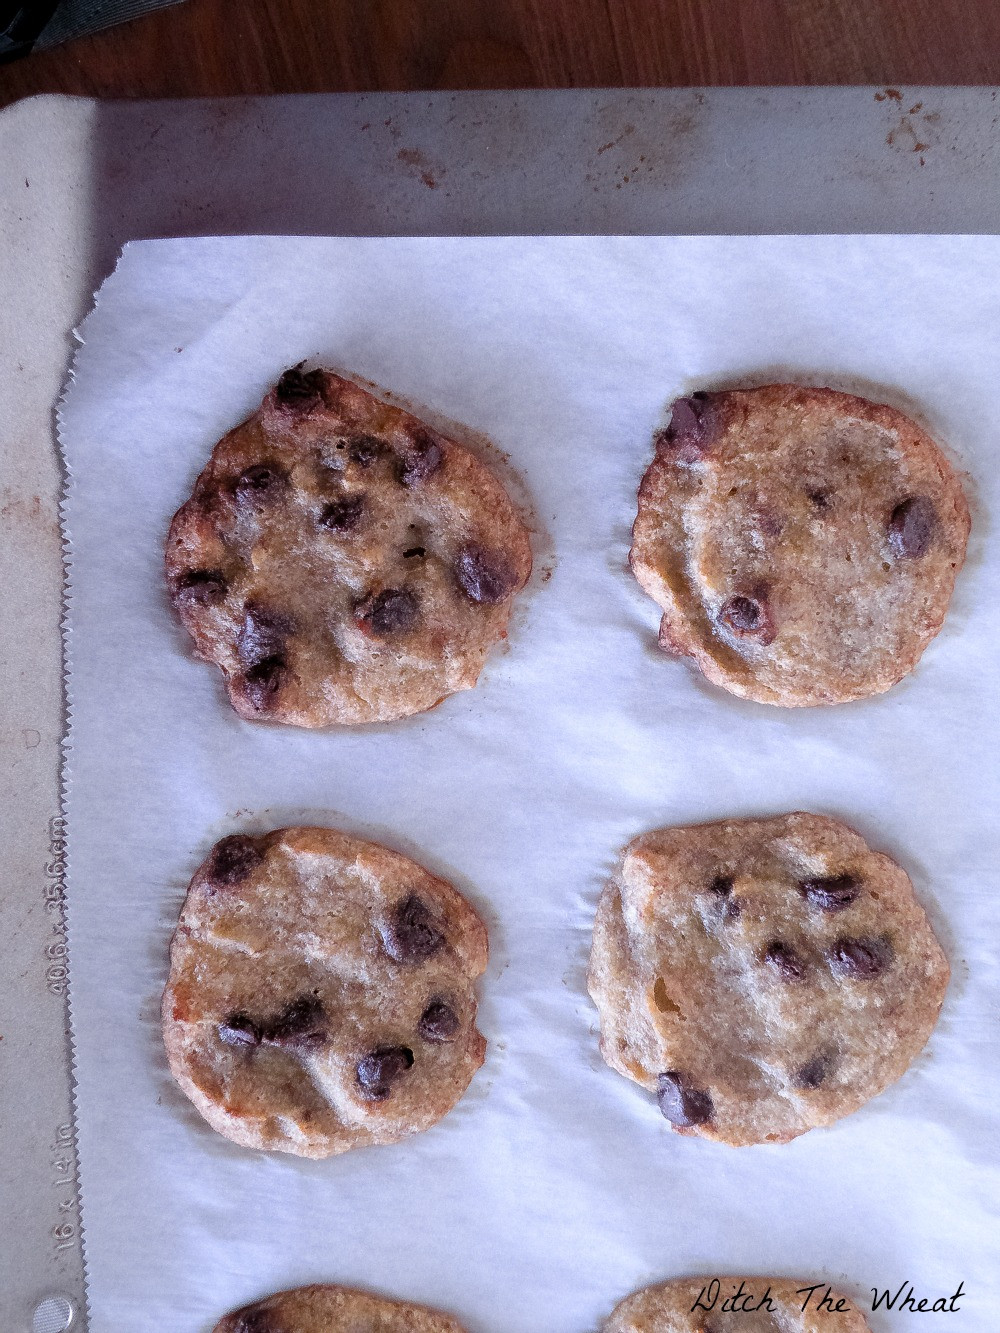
(762, 976)
(321, 993)
(341, 562)
(737, 1305)
(802, 543)
(328, 1309)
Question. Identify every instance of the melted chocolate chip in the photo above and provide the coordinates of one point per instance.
(261, 643)
(860, 959)
(691, 430)
(414, 553)
(378, 1070)
(201, 587)
(831, 893)
(722, 885)
(393, 611)
(681, 1103)
(420, 459)
(769, 523)
(814, 1071)
(364, 449)
(240, 1030)
(263, 481)
(234, 858)
(301, 1025)
(261, 683)
(484, 576)
(343, 515)
(820, 500)
(298, 390)
(438, 1022)
(410, 935)
(748, 617)
(911, 526)
(785, 961)
(263, 633)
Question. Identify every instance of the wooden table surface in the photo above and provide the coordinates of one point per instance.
(219, 47)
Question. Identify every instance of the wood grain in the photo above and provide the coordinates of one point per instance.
(218, 47)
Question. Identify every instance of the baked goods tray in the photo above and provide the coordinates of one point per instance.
(84, 178)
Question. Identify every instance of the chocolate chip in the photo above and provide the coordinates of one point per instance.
(420, 458)
(743, 614)
(301, 1025)
(485, 576)
(234, 858)
(343, 515)
(298, 390)
(256, 1320)
(261, 683)
(378, 1070)
(240, 1030)
(393, 611)
(263, 481)
(201, 587)
(748, 617)
(263, 633)
(682, 1104)
(813, 1072)
(721, 889)
(438, 1022)
(686, 414)
(911, 526)
(364, 449)
(831, 893)
(414, 553)
(860, 959)
(691, 430)
(785, 961)
(820, 500)
(410, 934)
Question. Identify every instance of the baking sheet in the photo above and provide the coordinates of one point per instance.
(554, 1187)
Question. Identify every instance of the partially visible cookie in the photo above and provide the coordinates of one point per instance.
(320, 995)
(756, 1305)
(341, 562)
(329, 1309)
(802, 543)
(762, 976)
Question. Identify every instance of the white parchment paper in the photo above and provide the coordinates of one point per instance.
(555, 1187)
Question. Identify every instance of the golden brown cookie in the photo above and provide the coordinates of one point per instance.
(802, 543)
(341, 561)
(321, 993)
(762, 976)
(737, 1305)
(329, 1309)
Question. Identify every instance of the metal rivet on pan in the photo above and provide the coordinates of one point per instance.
(53, 1314)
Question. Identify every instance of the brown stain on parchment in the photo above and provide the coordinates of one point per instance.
(635, 147)
(29, 514)
(424, 169)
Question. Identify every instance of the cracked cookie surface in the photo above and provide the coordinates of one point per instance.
(762, 977)
(769, 1305)
(802, 543)
(342, 562)
(320, 995)
(331, 1309)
